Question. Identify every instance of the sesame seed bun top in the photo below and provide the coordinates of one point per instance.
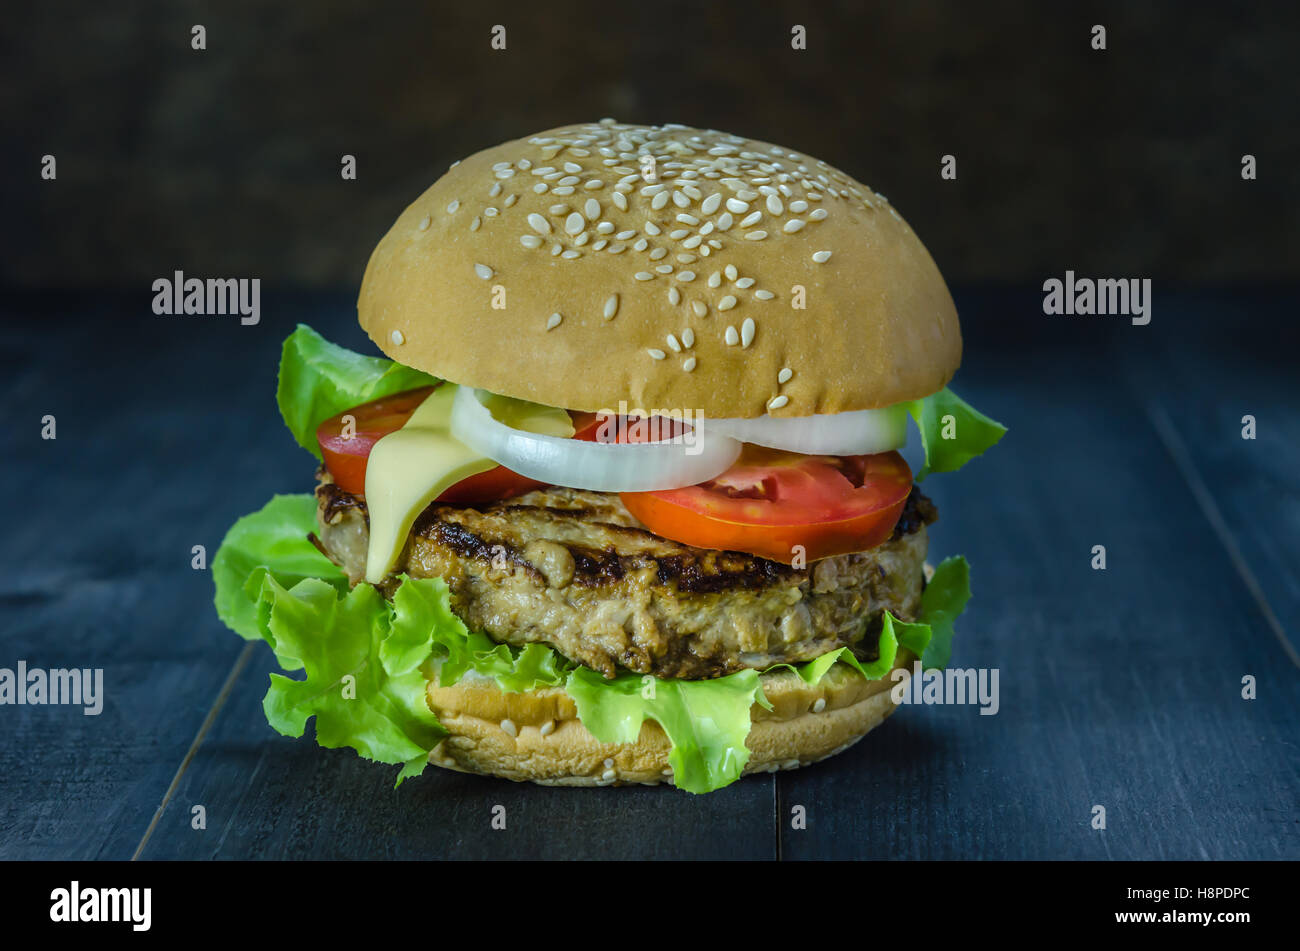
(571, 270)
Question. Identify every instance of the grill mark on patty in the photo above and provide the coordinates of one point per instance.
(721, 571)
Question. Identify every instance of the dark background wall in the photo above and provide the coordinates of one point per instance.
(226, 161)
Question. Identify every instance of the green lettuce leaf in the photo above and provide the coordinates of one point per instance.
(319, 379)
(365, 691)
(706, 720)
(272, 539)
(950, 443)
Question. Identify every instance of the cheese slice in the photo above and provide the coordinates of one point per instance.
(411, 467)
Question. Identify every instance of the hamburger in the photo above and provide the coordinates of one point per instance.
(623, 501)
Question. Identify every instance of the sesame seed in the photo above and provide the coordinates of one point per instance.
(593, 184)
(656, 354)
(592, 209)
(817, 214)
(820, 705)
(664, 269)
(799, 207)
(686, 276)
(688, 219)
(539, 224)
(821, 257)
(774, 205)
(793, 225)
(764, 295)
(658, 253)
(641, 244)
(652, 228)
(547, 728)
(678, 233)
(687, 258)
(755, 235)
(692, 242)
(574, 223)
(784, 375)
(644, 276)
(483, 271)
(611, 306)
(620, 200)
(540, 187)
(491, 212)
(605, 227)
(778, 401)
(673, 342)
(710, 204)
(659, 201)
(398, 338)
(738, 206)
(747, 332)
(746, 195)
(707, 229)
(508, 726)
(617, 248)
(424, 223)
(453, 207)
(731, 272)
(731, 336)
(727, 302)
(572, 167)
(688, 364)
(700, 308)
(751, 219)
(624, 235)
(563, 190)
(680, 200)
(570, 255)
(476, 223)
(607, 775)
(597, 245)
(510, 200)
(530, 241)
(688, 338)
(651, 190)
(553, 321)
(724, 221)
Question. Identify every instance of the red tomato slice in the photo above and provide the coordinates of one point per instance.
(771, 501)
(346, 454)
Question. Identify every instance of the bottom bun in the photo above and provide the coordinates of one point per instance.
(537, 736)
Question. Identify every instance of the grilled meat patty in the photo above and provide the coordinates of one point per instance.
(575, 570)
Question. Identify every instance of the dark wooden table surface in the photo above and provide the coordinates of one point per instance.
(1120, 688)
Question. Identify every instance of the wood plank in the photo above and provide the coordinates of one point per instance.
(1118, 687)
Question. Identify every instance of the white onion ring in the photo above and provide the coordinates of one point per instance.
(856, 433)
(599, 467)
